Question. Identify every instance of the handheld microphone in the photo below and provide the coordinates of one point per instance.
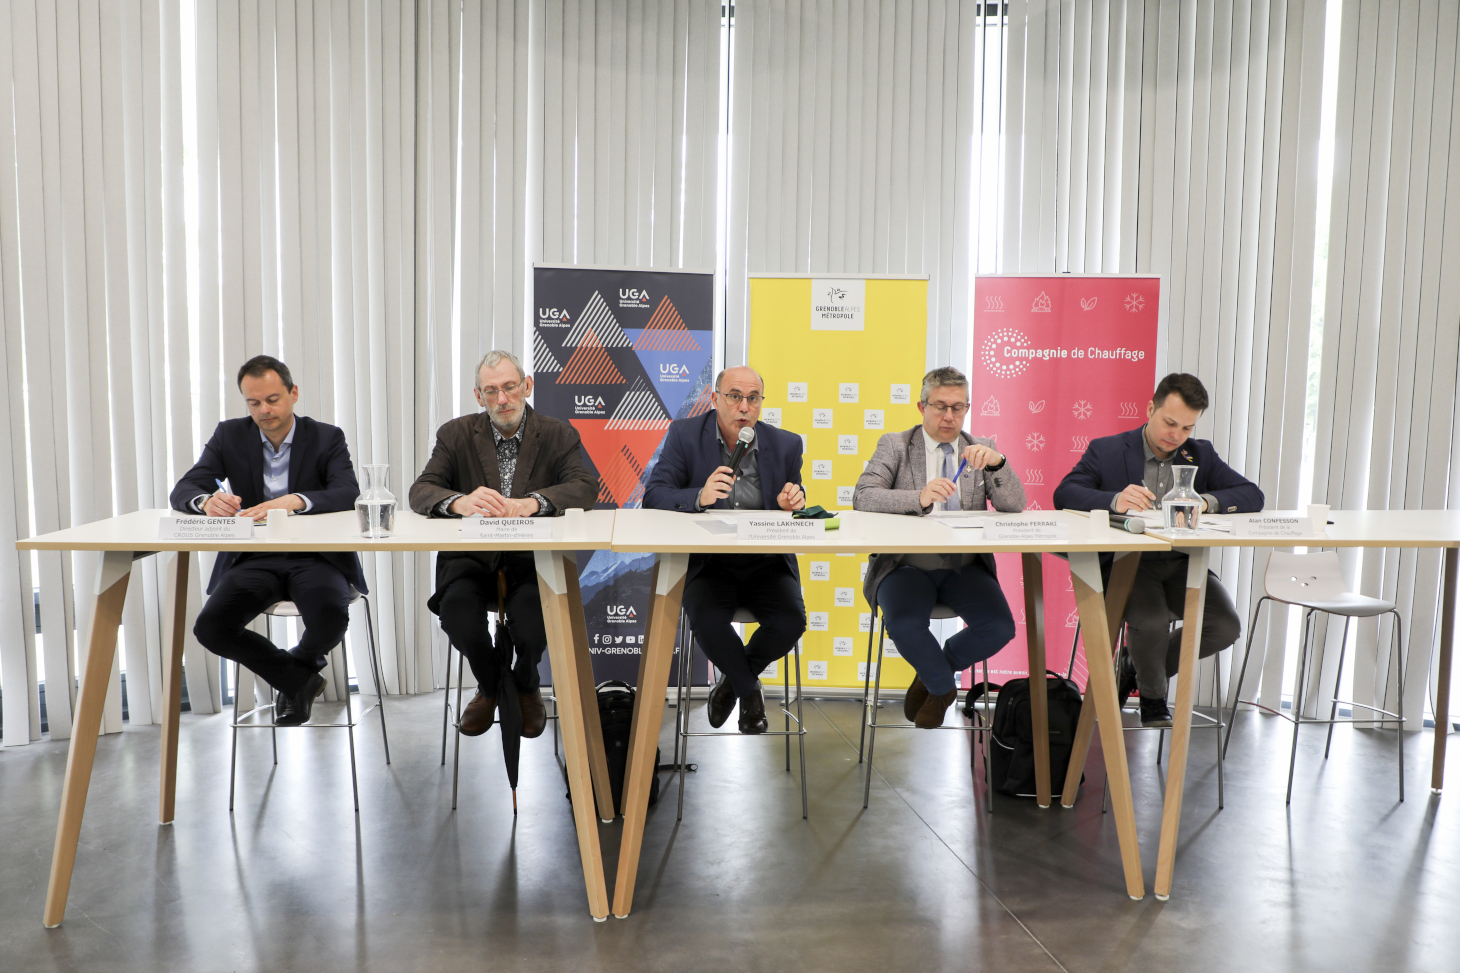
(747, 436)
(1133, 524)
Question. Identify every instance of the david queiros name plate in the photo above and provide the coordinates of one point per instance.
(205, 528)
(1016, 529)
(778, 529)
(1272, 527)
(507, 529)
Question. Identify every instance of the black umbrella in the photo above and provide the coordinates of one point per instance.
(509, 709)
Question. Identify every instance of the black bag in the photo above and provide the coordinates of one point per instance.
(1011, 752)
(616, 713)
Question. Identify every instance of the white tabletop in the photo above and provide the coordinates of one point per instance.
(666, 532)
(138, 531)
(1350, 528)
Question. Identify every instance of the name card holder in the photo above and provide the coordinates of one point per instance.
(779, 529)
(507, 529)
(1261, 526)
(1017, 529)
(205, 528)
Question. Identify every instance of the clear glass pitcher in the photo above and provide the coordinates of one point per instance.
(376, 505)
(1182, 504)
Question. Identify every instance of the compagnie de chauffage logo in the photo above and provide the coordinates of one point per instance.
(1006, 353)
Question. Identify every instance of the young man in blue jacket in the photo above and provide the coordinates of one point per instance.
(694, 473)
(1132, 472)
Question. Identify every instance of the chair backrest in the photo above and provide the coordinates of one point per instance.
(1302, 578)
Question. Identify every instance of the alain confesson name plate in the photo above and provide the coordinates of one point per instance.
(1016, 529)
(778, 529)
(205, 528)
(507, 529)
(1260, 526)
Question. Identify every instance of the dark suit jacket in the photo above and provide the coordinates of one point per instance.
(691, 453)
(549, 462)
(319, 469)
(1112, 463)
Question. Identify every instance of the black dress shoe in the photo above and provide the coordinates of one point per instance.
(299, 705)
(752, 712)
(722, 701)
(1125, 685)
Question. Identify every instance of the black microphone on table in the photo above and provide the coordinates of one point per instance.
(747, 436)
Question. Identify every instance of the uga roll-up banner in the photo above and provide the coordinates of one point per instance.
(619, 353)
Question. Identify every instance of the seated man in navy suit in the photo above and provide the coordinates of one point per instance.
(694, 474)
(274, 460)
(1132, 472)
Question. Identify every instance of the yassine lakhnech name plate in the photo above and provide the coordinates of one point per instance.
(507, 529)
(205, 528)
(1013, 530)
(778, 529)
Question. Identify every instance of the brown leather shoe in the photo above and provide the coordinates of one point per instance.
(917, 694)
(534, 715)
(476, 719)
(930, 714)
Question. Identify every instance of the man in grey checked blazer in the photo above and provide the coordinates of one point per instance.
(912, 473)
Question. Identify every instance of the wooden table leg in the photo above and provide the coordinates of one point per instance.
(597, 757)
(174, 631)
(1034, 629)
(654, 665)
(1085, 573)
(111, 586)
(1447, 645)
(1122, 578)
(559, 597)
(1186, 680)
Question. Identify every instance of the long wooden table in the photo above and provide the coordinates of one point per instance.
(1351, 528)
(673, 537)
(131, 536)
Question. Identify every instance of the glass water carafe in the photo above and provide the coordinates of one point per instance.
(1182, 504)
(376, 505)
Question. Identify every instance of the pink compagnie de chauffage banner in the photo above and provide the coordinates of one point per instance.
(1057, 361)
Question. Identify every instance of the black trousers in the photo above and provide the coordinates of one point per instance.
(1158, 598)
(258, 581)
(463, 608)
(760, 583)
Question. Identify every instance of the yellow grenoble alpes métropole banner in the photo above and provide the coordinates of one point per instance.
(842, 359)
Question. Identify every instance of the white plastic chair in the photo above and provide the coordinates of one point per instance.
(1315, 582)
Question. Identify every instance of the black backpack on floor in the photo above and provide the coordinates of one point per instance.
(1011, 752)
(616, 713)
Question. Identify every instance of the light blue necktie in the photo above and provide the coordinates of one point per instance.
(949, 470)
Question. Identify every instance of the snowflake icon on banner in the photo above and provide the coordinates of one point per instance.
(1134, 302)
(1034, 442)
(1082, 409)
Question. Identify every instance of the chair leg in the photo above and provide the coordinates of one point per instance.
(1337, 682)
(988, 737)
(376, 672)
(866, 685)
(1298, 700)
(1241, 675)
(446, 704)
(681, 714)
(233, 756)
(1217, 678)
(350, 728)
(801, 734)
(684, 649)
(1074, 645)
(1399, 671)
(871, 723)
(456, 748)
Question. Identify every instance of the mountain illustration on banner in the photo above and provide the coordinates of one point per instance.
(597, 320)
(590, 364)
(544, 362)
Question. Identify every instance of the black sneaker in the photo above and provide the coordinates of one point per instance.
(1154, 712)
(1125, 685)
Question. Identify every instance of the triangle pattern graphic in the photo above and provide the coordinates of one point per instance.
(598, 320)
(543, 361)
(590, 364)
(639, 410)
(666, 331)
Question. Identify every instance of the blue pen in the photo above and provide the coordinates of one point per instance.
(961, 467)
(224, 489)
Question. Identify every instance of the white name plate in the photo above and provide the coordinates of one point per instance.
(507, 529)
(1272, 527)
(1015, 529)
(779, 529)
(205, 528)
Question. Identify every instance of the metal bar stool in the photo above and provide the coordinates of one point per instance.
(682, 731)
(1315, 582)
(871, 702)
(451, 717)
(287, 609)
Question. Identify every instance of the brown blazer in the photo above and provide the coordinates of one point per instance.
(550, 462)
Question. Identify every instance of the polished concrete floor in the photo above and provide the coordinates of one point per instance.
(1347, 879)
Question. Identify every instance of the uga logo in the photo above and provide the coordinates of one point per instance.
(672, 369)
(632, 294)
(621, 611)
(552, 314)
(595, 401)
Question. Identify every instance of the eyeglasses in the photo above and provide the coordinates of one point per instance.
(490, 392)
(735, 398)
(958, 408)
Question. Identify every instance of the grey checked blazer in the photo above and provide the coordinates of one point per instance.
(897, 473)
